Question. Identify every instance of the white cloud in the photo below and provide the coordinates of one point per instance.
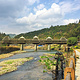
(15, 8)
(30, 2)
(46, 17)
(68, 7)
(43, 18)
(67, 21)
(41, 6)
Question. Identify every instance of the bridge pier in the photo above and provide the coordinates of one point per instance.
(49, 47)
(35, 47)
(21, 47)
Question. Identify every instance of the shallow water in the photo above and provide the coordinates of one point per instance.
(31, 70)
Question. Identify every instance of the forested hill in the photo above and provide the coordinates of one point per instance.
(56, 32)
(2, 35)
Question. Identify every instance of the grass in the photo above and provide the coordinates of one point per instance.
(5, 55)
(44, 71)
(11, 65)
(9, 62)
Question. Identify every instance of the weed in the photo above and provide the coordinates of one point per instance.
(48, 67)
(9, 62)
(44, 71)
(40, 60)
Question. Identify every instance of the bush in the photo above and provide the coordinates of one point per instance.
(77, 47)
(44, 71)
(48, 67)
(72, 41)
(40, 60)
(71, 49)
(52, 48)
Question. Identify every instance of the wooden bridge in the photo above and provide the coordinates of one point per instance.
(35, 40)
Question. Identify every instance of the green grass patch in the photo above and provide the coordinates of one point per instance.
(9, 62)
(44, 71)
(48, 67)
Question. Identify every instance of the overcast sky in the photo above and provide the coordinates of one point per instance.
(20, 16)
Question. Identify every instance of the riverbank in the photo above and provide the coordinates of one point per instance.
(6, 55)
(7, 49)
(12, 64)
(31, 70)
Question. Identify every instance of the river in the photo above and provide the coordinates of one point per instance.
(31, 70)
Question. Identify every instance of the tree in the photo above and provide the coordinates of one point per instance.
(71, 41)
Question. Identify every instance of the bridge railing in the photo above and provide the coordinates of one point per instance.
(69, 72)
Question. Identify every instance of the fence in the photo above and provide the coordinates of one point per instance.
(69, 72)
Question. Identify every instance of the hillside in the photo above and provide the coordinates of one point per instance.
(11, 35)
(56, 32)
(2, 35)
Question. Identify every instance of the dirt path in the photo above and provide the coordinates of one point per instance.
(77, 69)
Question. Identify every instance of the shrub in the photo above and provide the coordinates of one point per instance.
(44, 60)
(71, 41)
(44, 71)
(71, 49)
(48, 67)
(40, 60)
(76, 47)
(52, 48)
(47, 64)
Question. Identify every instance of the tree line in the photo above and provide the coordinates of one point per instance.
(55, 32)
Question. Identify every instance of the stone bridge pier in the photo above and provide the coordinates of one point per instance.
(21, 39)
(49, 47)
(21, 47)
(35, 47)
(49, 44)
(35, 42)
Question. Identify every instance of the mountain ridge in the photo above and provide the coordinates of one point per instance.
(55, 32)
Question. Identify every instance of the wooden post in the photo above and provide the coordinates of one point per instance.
(69, 70)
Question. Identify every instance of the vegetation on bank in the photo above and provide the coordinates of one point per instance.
(48, 61)
(7, 49)
(12, 64)
(72, 41)
(2, 35)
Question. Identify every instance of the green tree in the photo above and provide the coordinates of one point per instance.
(72, 41)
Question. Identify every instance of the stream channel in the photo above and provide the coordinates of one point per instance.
(31, 70)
